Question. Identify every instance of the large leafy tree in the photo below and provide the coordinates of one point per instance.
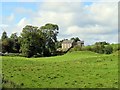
(0, 45)
(50, 32)
(6, 43)
(108, 49)
(4, 35)
(75, 39)
(39, 41)
(16, 44)
(31, 41)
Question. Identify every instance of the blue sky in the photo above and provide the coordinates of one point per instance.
(9, 7)
(86, 20)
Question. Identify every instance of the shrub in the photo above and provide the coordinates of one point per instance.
(116, 47)
(100, 47)
(76, 48)
(108, 49)
(87, 48)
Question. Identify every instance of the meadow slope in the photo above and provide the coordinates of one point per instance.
(72, 70)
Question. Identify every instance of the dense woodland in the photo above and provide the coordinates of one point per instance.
(38, 42)
(32, 41)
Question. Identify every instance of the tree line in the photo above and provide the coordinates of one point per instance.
(42, 41)
(32, 41)
(98, 47)
(101, 47)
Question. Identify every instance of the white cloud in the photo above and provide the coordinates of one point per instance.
(19, 1)
(59, 0)
(15, 28)
(97, 29)
(3, 25)
(22, 22)
(91, 34)
(86, 22)
(8, 19)
(11, 18)
(91, 23)
(104, 12)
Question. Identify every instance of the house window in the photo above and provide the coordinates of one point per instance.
(64, 45)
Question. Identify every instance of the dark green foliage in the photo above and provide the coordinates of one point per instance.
(10, 45)
(87, 48)
(116, 47)
(50, 32)
(102, 43)
(108, 49)
(7, 45)
(58, 44)
(39, 41)
(4, 35)
(16, 43)
(0, 45)
(76, 48)
(5, 42)
(99, 47)
(75, 39)
(102, 47)
(31, 41)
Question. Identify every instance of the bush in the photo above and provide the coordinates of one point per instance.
(108, 49)
(102, 48)
(116, 47)
(37, 55)
(87, 48)
(76, 48)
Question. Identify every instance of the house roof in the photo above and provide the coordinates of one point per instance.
(68, 41)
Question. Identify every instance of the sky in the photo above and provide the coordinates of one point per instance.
(90, 20)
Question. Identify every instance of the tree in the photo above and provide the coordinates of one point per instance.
(7, 45)
(0, 45)
(108, 49)
(50, 32)
(102, 43)
(4, 35)
(16, 44)
(31, 41)
(58, 44)
(75, 39)
(40, 41)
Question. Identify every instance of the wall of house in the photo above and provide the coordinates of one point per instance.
(66, 45)
(81, 43)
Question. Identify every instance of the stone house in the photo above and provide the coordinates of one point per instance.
(81, 43)
(67, 44)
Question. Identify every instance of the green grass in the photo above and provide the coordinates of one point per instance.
(72, 70)
(115, 47)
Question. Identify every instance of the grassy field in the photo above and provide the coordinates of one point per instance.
(72, 70)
